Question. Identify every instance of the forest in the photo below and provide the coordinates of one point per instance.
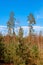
(20, 50)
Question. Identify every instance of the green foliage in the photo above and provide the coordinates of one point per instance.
(23, 52)
(35, 51)
(19, 54)
(28, 55)
(2, 48)
(9, 52)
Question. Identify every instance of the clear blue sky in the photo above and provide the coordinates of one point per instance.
(21, 8)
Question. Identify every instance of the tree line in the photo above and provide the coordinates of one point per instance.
(12, 20)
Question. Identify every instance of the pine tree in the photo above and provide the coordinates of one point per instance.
(20, 34)
(11, 23)
(31, 21)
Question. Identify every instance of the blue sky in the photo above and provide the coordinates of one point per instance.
(21, 8)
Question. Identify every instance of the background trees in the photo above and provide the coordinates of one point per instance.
(2, 48)
(20, 34)
(31, 21)
(11, 24)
